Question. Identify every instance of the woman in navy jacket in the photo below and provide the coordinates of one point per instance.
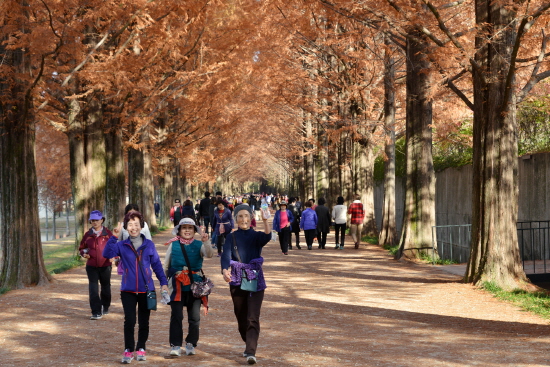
(132, 251)
(222, 223)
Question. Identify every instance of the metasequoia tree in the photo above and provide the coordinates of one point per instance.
(21, 261)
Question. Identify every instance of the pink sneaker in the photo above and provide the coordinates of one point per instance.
(140, 355)
(127, 356)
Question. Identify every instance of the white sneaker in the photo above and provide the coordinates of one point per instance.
(251, 360)
(175, 351)
(189, 349)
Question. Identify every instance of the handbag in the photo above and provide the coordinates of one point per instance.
(198, 289)
(249, 285)
(150, 295)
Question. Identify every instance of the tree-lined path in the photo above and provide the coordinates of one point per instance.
(322, 308)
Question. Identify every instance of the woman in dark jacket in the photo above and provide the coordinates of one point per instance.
(188, 210)
(222, 223)
(323, 222)
(98, 268)
(295, 226)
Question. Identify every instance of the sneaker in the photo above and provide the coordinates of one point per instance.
(175, 351)
(337, 246)
(298, 247)
(290, 247)
(341, 247)
(96, 317)
(105, 311)
(245, 354)
(189, 349)
(285, 253)
(127, 356)
(140, 355)
(250, 359)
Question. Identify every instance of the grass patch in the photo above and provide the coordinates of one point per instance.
(4, 290)
(438, 261)
(158, 230)
(369, 239)
(60, 267)
(536, 302)
(392, 249)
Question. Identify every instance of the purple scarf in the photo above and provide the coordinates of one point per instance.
(255, 264)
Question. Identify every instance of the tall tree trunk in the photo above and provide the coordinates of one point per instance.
(135, 174)
(165, 184)
(365, 172)
(419, 215)
(115, 193)
(388, 233)
(21, 257)
(148, 186)
(67, 211)
(494, 255)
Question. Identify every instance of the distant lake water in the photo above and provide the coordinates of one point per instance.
(47, 235)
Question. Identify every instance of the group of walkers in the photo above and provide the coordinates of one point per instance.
(316, 220)
(130, 248)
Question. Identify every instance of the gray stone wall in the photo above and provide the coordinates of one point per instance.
(454, 193)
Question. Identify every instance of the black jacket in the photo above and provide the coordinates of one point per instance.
(204, 207)
(323, 218)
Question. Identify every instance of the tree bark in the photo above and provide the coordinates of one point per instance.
(115, 192)
(494, 255)
(388, 232)
(419, 214)
(21, 257)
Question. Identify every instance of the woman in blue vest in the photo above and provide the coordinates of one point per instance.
(179, 271)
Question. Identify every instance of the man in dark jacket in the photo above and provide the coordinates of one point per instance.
(204, 209)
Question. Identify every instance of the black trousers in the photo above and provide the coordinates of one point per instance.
(206, 222)
(310, 235)
(297, 233)
(337, 229)
(99, 300)
(322, 238)
(220, 240)
(129, 303)
(247, 306)
(193, 306)
(284, 238)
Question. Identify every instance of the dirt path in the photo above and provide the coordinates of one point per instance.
(321, 308)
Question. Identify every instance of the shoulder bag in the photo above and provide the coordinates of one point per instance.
(199, 289)
(250, 285)
(151, 295)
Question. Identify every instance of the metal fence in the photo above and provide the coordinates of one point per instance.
(452, 242)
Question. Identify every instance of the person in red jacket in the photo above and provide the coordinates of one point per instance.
(98, 268)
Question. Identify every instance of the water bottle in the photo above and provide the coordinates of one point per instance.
(165, 297)
(265, 209)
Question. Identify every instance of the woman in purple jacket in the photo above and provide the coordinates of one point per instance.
(133, 251)
(308, 223)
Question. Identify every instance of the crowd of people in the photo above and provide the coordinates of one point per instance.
(131, 249)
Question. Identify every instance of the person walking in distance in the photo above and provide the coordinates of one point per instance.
(323, 223)
(176, 213)
(356, 223)
(339, 216)
(295, 226)
(281, 223)
(204, 211)
(98, 268)
(308, 224)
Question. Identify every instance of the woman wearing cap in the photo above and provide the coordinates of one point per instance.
(281, 223)
(139, 259)
(247, 258)
(222, 222)
(98, 268)
(177, 270)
